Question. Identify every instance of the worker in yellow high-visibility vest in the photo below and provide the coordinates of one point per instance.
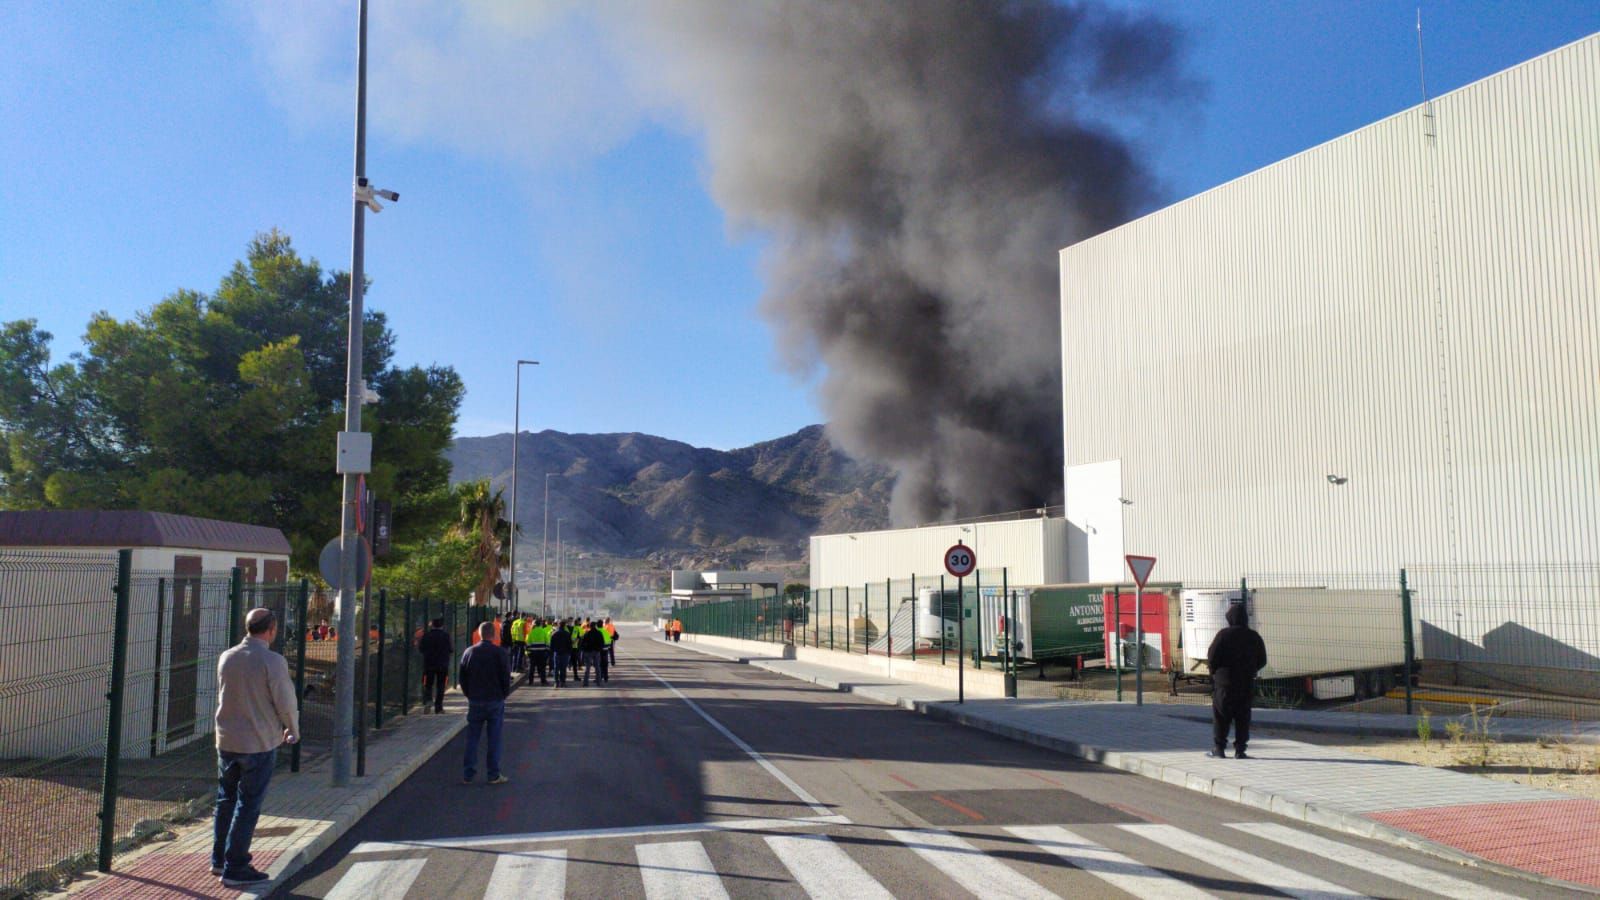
(519, 632)
(538, 637)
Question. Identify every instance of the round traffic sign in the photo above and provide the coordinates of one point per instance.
(959, 561)
(328, 561)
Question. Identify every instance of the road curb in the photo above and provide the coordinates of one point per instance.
(361, 803)
(1278, 804)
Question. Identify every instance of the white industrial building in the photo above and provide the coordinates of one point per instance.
(690, 587)
(1029, 551)
(57, 573)
(1383, 351)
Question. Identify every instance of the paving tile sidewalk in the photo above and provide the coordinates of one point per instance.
(302, 816)
(1542, 834)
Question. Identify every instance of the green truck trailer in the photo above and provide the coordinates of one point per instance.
(1062, 624)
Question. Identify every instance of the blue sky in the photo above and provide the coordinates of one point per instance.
(548, 211)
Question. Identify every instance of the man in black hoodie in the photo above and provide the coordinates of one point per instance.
(436, 650)
(560, 650)
(1237, 653)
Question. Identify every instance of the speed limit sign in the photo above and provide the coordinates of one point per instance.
(959, 561)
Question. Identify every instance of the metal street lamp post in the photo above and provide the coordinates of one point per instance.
(516, 438)
(559, 583)
(544, 548)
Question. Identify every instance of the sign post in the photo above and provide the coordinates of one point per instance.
(960, 561)
(1140, 566)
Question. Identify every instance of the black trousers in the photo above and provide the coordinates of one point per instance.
(1230, 705)
(541, 661)
(433, 682)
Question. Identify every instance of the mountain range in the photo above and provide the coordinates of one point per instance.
(641, 496)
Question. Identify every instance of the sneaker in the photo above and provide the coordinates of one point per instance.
(216, 868)
(1216, 754)
(1240, 754)
(499, 779)
(466, 779)
(247, 875)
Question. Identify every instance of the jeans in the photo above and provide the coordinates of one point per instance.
(480, 713)
(539, 664)
(594, 660)
(560, 666)
(611, 652)
(241, 784)
(433, 685)
(1231, 704)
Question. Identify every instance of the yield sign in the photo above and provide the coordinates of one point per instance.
(1140, 566)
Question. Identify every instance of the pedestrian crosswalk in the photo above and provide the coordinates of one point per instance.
(1026, 862)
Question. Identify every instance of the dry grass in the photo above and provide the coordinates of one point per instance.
(1551, 762)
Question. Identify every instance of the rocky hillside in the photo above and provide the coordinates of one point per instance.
(636, 495)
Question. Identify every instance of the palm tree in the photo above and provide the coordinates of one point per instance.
(482, 517)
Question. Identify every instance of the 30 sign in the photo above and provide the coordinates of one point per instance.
(960, 561)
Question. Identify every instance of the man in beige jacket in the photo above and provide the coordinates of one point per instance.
(256, 711)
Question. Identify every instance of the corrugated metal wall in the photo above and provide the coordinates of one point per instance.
(1033, 551)
(1414, 307)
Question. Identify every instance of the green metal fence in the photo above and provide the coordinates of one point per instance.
(108, 689)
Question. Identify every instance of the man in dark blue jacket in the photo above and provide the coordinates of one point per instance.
(436, 650)
(486, 680)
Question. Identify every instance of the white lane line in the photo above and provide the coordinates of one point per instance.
(539, 837)
(390, 878)
(796, 789)
(533, 875)
(824, 870)
(968, 866)
(1119, 871)
(1244, 865)
(679, 870)
(1367, 860)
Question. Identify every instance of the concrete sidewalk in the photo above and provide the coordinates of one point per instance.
(1541, 834)
(302, 816)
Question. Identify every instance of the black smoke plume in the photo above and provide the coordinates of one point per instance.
(917, 167)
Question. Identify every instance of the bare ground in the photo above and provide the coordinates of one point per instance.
(1551, 762)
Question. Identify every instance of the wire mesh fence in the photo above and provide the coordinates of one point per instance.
(108, 692)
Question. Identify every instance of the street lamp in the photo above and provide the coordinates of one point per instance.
(559, 583)
(544, 547)
(516, 438)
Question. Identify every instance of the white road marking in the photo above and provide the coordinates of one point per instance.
(824, 870)
(970, 867)
(1119, 871)
(804, 795)
(532, 875)
(1243, 865)
(1366, 860)
(388, 879)
(679, 870)
(539, 837)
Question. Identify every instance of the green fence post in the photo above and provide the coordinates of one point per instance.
(300, 673)
(943, 629)
(831, 624)
(913, 618)
(977, 616)
(1116, 619)
(888, 616)
(849, 626)
(405, 659)
(383, 612)
(235, 607)
(1411, 649)
(119, 669)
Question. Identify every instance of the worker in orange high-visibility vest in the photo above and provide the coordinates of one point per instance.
(676, 630)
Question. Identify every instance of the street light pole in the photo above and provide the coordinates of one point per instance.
(544, 547)
(349, 578)
(559, 582)
(516, 438)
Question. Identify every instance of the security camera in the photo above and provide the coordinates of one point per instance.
(366, 193)
(1337, 479)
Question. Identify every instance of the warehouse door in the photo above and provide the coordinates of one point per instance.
(185, 656)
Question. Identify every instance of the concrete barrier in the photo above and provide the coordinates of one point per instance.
(979, 682)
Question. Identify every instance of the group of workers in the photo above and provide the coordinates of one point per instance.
(548, 648)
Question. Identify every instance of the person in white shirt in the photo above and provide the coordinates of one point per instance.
(256, 712)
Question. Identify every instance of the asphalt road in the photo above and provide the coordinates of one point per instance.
(688, 776)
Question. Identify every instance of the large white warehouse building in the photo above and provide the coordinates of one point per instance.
(1383, 351)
